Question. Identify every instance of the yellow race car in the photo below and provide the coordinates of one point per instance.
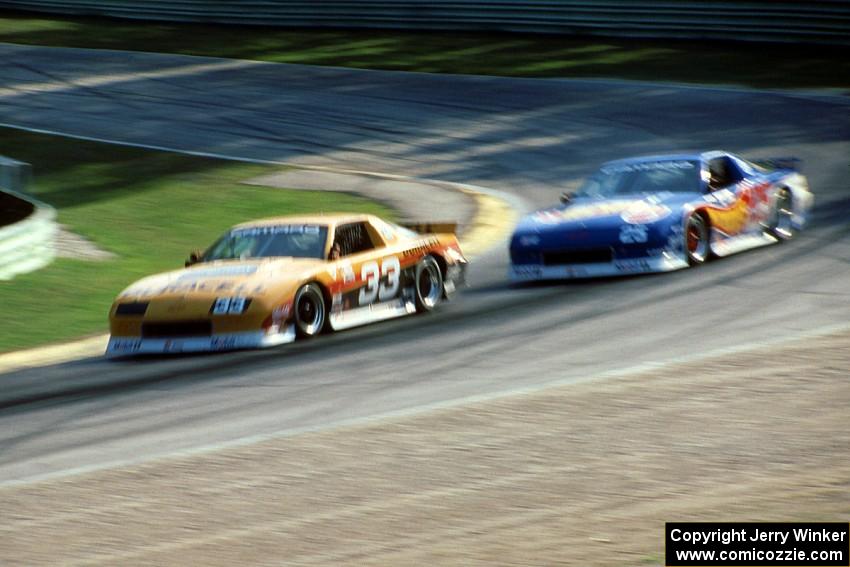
(267, 282)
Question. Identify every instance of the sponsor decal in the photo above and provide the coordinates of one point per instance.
(423, 247)
(578, 212)
(676, 241)
(668, 165)
(220, 272)
(224, 342)
(529, 240)
(634, 233)
(634, 212)
(522, 271)
(758, 199)
(722, 197)
(281, 312)
(126, 345)
(575, 272)
(227, 287)
(345, 272)
(642, 212)
(277, 229)
(639, 265)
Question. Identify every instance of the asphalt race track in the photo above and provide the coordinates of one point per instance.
(530, 138)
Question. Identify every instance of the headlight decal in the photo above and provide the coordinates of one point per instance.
(133, 308)
(230, 305)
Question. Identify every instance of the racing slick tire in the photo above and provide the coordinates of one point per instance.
(428, 284)
(781, 225)
(310, 311)
(697, 244)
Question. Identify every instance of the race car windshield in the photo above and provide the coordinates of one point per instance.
(669, 176)
(295, 241)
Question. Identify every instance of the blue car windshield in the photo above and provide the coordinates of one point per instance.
(667, 176)
(297, 241)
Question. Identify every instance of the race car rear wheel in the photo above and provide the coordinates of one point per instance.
(781, 224)
(429, 284)
(310, 311)
(697, 245)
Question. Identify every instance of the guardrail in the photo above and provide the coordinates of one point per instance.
(823, 21)
(28, 243)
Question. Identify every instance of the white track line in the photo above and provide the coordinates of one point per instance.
(26, 89)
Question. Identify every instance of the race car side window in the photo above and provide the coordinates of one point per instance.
(352, 238)
(723, 172)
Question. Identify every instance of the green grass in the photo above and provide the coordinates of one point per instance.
(717, 62)
(149, 208)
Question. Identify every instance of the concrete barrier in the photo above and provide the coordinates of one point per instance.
(29, 243)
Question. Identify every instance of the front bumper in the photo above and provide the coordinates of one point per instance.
(536, 272)
(129, 346)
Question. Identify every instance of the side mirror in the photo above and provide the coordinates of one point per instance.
(566, 197)
(194, 257)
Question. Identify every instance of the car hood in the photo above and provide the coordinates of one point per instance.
(229, 277)
(588, 213)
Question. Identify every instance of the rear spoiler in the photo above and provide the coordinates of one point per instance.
(431, 227)
(780, 163)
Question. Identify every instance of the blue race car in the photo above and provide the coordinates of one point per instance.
(661, 213)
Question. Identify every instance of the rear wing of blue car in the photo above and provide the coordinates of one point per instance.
(795, 164)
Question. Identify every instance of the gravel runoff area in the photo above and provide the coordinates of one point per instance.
(584, 474)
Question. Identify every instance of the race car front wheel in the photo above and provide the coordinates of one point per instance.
(310, 310)
(697, 245)
(429, 284)
(781, 224)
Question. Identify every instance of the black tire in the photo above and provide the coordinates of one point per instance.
(428, 284)
(697, 244)
(310, 311)
(781, 224)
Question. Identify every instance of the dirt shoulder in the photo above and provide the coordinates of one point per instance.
(585, 474)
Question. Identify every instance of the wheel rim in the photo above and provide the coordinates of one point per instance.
(429, 285)
(784, 217)
(310, 312)
(696, 239)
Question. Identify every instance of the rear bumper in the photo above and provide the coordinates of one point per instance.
(536, 272)
(129, 346)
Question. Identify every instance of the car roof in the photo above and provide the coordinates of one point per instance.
(329, 220)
